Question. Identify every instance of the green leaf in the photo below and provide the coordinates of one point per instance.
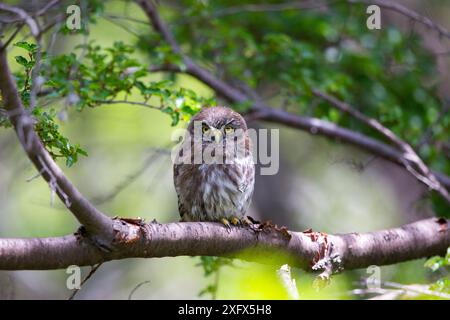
(22, 61)
(30, 47)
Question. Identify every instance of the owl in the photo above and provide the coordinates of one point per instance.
(214, 171)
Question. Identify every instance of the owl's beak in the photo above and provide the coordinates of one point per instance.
(217, 136)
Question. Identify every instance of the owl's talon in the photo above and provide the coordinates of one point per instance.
(226, 223)
(235, 221)
(245, 221)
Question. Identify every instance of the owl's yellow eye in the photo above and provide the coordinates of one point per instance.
(229, 129)
(205, 129)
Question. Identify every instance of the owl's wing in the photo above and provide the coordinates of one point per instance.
(176, 176)
(176, 173)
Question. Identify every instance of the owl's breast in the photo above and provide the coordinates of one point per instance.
(219, 191)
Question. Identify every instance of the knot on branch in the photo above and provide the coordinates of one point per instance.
(127, 230)
(325, 259)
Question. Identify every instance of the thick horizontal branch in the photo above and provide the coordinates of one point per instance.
(354, 250)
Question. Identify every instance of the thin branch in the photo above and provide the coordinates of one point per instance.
(428, 134)
(131, 19)
(230, 93)
(396, 290)
(130, 296)
(136, 103)
(274, 7)
(119, 24)
(284, 273)
(411, 14)
(129, 179)
(137, 240)
(47, 7)
(91, 273)
(11, 38)
(305, 5)
(57, 20)
(35, 86)
(409, 155)
(415, 288)
(24, 16)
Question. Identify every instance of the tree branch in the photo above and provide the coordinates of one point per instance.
(229, 93)
(411, 14)
(24, 16)
(305, 5)
(354, 250)
(409, 155)
(95, 221)
(261, 111)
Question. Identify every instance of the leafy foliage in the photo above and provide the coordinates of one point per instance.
(46, 127)
(98, 76)
(107, 74)
(57, 144)
(440, 264)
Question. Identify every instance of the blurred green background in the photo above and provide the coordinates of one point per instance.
(322, 184)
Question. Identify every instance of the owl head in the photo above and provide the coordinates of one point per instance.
(216, 124)
(219, 126)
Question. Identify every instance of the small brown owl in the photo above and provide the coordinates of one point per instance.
(214, 172)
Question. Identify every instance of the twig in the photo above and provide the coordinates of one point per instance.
(284, 273)
(137, 103)
(225, 90)
(299, 5)
(397, 7)
(261, 8)
(428, 134)
(121, 25)
(112, 16)
(137, 287)
(129, 179)
(35, 86)
(415, 288)
(91, 273)
(399, 289)
(47, 7)
(11, 38)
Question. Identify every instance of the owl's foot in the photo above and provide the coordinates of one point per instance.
(226, 223)
(235, 221)
(243, 221)
(246, 221)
